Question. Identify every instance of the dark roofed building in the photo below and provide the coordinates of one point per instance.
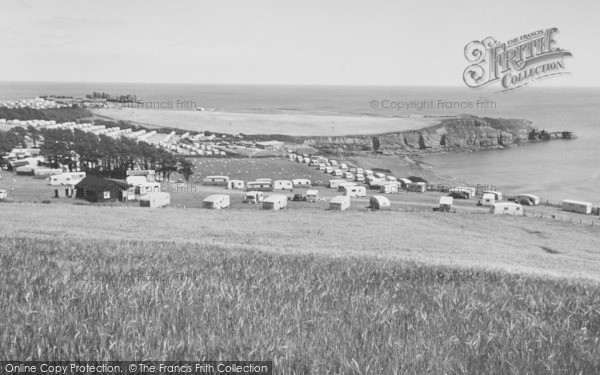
(99, 189)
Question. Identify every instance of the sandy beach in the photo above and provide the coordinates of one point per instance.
(258, 123)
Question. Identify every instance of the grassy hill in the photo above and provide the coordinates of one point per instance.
(123, 300)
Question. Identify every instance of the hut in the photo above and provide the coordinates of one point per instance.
(275, 202)
(216, 201)
(506, 208)
(339, 203)
(98, 189)
(379, 202)
(158, 199)
(576, 206)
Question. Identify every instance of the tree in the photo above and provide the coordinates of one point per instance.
(376, 144)
(186, 168)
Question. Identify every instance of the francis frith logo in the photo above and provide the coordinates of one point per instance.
(516, 62)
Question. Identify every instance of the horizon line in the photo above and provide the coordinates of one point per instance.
(282, 84)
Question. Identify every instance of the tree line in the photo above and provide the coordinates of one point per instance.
(105, 156)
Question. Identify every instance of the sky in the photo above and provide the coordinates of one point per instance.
(414, 43)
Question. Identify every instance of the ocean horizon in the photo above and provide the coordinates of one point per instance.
(554, 170)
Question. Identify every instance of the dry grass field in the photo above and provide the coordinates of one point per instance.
(257, 123)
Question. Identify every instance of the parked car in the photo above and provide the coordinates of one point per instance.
(299, 198)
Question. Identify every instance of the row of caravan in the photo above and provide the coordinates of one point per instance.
(279, 201)
(260, 184)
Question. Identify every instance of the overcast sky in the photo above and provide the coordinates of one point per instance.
(279, 42)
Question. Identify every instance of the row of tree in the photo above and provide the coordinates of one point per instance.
(105, 156)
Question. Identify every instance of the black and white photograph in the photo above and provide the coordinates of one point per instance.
(299, 187)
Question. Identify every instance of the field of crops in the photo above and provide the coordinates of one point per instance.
(128, 300)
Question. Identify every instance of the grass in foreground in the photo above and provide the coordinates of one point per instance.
(108, 300)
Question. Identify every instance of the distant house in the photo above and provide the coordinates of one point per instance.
(98, 189)
(269, 145)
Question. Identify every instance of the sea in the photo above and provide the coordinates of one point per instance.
(554, 170)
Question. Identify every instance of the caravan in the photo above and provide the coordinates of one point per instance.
(216, 201)
(153, 200)
(446, 203)
(339, 203)
(527, 199)
(216, 180)
(254, 197)
(283, 185)
(488, 200)
(355, 191)
(275, 202)
(301, 183)
(235, 184)
(334, 184)
(379, 202)
(259, 186)
(576, 206)
(507, 208)
(312, 195)
(65, 178)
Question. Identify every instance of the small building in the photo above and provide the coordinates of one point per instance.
(379, 202)
(153, 200)
(368, 172)
(339, 203)
(275, 202)
(328, 170)
(254, 197)
(312, 195)
(359, 178)
(235, 184)
(348, 175)
(355, 191)
(507, 208)
(337, 173)
(488, 199)
(283, 185)
(301, 183)
(380, 175)
(98, 189)
(216, 201)
(446, 203)
(576, 206)
(343, 166)
(216, 180)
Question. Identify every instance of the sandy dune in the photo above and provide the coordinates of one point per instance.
(256, 123)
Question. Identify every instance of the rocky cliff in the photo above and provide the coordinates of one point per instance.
(451, 134)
